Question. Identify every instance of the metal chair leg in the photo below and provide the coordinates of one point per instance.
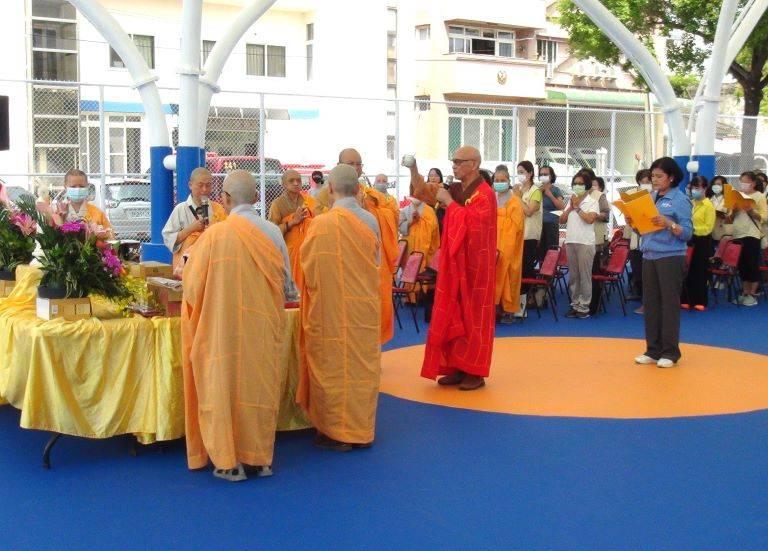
(47, 450)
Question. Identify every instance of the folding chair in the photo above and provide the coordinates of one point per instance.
(407, 285)
(727, 272)
(427, 278)
(544, 280)
(611, 278)
(561, 271)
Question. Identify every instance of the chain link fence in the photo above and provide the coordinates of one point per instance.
(103, 131)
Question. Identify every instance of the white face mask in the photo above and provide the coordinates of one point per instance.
(381, 187)
(646, 187)
(717, 189)
(746, 187)
(520, 178)
(77, 194)
(544, 179)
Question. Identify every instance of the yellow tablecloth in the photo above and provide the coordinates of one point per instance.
(108, 375)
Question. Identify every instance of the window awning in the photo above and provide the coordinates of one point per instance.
(597, 98)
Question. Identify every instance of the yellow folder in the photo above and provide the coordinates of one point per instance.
(641, 210)
(734, 198)
(627, 197)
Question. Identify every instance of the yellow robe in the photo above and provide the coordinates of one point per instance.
(340, 328)
(219, 215)
(232, 331)
(424, 235)
(281, 212)
(375, 203)
(97, 216)
(509, 242)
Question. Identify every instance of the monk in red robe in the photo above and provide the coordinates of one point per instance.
(460, 339)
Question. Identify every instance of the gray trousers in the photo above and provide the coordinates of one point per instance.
(662, 284)
(580, 258)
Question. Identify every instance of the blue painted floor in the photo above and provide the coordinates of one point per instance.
(436, 478)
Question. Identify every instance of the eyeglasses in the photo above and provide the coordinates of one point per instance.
(359, 165)
(459, 161)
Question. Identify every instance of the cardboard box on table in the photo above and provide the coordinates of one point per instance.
(70, 309)
(150, 268)
(166, 294)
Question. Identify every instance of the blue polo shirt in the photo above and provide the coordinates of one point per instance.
(676, 206)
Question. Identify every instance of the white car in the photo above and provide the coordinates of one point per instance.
(127, 206)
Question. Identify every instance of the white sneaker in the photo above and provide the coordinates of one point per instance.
(644, 360)
(747, 300)
(664, 362)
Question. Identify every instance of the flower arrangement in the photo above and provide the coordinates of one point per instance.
(17, 238)
(76, 260)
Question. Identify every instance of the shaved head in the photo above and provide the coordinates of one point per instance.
(240, 185)
(381, 179)
(292, 181)
(352, 158)
(466, 164)
(199, 173)
(343, 181)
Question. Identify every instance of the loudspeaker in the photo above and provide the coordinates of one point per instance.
(5, 142)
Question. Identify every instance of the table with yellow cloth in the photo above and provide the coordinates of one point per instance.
(108, 375)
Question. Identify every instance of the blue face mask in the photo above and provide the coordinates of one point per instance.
(77, 194)
(697, 194)
(500, 187)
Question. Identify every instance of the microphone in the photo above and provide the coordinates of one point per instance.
(204, 209)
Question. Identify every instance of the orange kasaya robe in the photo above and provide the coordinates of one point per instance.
(424, 236)
(340, 327)
(218, 215)
(323, 198)
(510, 222)
(375, 202)
(463, 317)
(279, 213)
(232, 329)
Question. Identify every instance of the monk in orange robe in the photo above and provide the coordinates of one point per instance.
(418, 226)
(460, 338)
(509, 241)
(292, 212)
(192, 217)
(376, 203)
(76, 206)
(340, 319)
(232, 331)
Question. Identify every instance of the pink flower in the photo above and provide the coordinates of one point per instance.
(72, 227)
(97, 230)
(25, 223)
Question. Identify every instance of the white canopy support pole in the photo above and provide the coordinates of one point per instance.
(189, 71)
(742, 28)
(223, 48)
(645, 63)
(143, 79)
(707, 121)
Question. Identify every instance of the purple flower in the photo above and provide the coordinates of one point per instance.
(72, 227)
(111, 262)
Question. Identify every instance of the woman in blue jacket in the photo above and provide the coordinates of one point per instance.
(664, 265)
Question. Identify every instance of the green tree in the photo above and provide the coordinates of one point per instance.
(689, 27)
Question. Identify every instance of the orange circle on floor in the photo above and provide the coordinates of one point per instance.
(592, 377)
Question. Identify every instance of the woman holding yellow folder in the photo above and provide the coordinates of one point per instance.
(664, 265)
(747, 221)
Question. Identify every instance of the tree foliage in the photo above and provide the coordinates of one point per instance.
(688, 27)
